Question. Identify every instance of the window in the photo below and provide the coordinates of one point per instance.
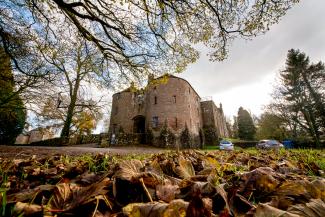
(155, 122)
(155, 88)
(174, 98)
(116, 110)
(155, 100)
(189, 90)
(176, 125)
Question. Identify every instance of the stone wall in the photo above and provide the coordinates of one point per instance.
(166, 100)
(176, 103)
(213, 116)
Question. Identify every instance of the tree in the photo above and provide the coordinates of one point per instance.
(246, 128)
(83, 122)
(185, 138)
(301, 90)
(138, 37)
(235, 127)
(75, 63)
(18, 39)
(211, 135)
(271, 126)
(12, 115)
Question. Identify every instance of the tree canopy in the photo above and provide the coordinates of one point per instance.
(140, 36)
(271, 126)
(246, 128)
(300, 95)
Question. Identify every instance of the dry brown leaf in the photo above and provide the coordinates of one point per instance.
(315, 208)
(67, 197)
(29, 194)
(176, 208)
(167, 192)
(185, 168)
(27, 209)
(263, 180)
(129, 169)
(265, 210)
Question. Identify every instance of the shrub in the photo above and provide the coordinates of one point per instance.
(49, 142)
(186, 139)
(166, 137)
(210, 135)
(149, 137)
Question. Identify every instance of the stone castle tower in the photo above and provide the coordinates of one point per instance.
(166, 100)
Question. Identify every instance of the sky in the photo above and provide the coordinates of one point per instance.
(248, 76)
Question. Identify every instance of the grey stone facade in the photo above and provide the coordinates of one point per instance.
(167, 100)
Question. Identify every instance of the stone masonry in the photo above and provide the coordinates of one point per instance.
(166, 100)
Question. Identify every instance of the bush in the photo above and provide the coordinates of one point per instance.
(166, 137)
(149, 137)
(186, 139)
(210, 135)
(49, 142)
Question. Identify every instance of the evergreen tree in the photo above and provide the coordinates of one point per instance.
(246, 128)
(185, 138)
(12, 112)
(302, 92)
(166, 137)
(211, 135)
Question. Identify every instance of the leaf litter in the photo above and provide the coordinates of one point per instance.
(188, 183)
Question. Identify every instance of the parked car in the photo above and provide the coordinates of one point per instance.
(269, 144)
(226, 145)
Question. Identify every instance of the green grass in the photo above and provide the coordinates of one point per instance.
(211, 147)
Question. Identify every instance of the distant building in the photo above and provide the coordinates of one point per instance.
(35, 135)
(167, 99)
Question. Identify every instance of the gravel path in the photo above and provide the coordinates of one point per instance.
(28, 151)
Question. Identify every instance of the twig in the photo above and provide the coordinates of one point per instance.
(97, 202)
(145, 189)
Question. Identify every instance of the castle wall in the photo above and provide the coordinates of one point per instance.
(175, 102)
(213, 116)
(125, 106)
(167, 99)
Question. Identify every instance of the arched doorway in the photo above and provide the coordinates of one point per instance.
(139, 128)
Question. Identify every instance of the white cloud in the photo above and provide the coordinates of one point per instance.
(252, 65)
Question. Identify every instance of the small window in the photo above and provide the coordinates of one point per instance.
(155, 88)
(155, 100)
(176, 124)
(155, 121)
(189, 90)
(174, 98)
(116, 110)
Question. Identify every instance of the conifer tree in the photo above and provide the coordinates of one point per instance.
(12, 112)
(246, 128)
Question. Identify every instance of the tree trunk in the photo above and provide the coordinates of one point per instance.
(68, 120)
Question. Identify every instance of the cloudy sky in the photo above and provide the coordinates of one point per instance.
(247, 77)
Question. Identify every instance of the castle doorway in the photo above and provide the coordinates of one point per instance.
(139, 128)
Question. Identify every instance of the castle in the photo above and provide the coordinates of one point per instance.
(166, 102)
